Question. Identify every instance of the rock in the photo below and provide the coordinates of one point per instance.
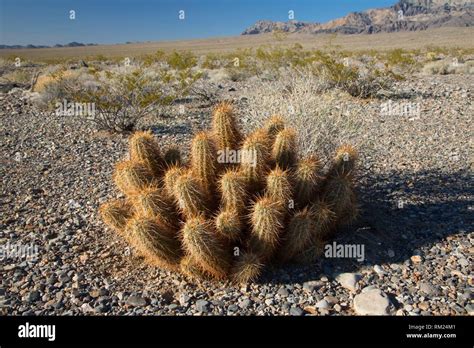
(283, 291)
(323, 304)
(245, 303)
(136, 301)
(372, 302)
(379, 270)
(296, 311)
(429, 289)
(184, 299)
(349, 280)
(416, 259)
(202, 306)
(312, 285)
(390, 253)
(269, 302)
(34, 296)
(469, 309)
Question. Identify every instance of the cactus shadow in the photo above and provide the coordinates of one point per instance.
(401, 212)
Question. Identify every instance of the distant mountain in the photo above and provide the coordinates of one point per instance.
(406, 15)
(71, 44)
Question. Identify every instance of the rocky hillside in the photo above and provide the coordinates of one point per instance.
(405, 15)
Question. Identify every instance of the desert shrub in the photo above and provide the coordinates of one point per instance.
(181, 60)
(122, 99)
(448, 66)
(120, 96)
(215, 219)
(150, 59)
(323, 120)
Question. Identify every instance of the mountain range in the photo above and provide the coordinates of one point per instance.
(405, 15)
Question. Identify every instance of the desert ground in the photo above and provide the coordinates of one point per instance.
(414, 181)
(444, 37)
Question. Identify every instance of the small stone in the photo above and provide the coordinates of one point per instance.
(202, 306)
(469, 309)
(136, 301)
(337, 307)
(372, 302)
(379, 270)
(245, 303)
(349, 280)
(184, 299)
(390, 253)
(172, 306)
(330, 299)
(268, 301)
(424, 306)
(296, 311)
(34, 296)
(283, 291)
(416, 259)
(312, 285)
(323, 304)
(429, 289)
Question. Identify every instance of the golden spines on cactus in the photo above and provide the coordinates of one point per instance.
(301, 231)
(284, 148)
(131, 177)
(201, 242)
(307, 177)
(256, 148)
(340, 195)
(116, 213)
(229, 225)
(279, 187)
(190, 195)
(158, 244)
(274, 125)
(247, 268)
(267, 225)
(172, 157)
(152, 202)
(324, 218)
(203, 160)
(190, 268)
(170, 178)
(144, 148)
(224, 127)
(344, 161)
(232, 186)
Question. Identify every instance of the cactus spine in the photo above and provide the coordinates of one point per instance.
(284, 148)
(203, 160)
(144, 148)
(199, 240)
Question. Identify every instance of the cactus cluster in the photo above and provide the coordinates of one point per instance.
(214, 219)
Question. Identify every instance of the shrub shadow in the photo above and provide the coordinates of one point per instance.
(400, 213)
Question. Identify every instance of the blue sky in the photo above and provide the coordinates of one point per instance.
(116, 21)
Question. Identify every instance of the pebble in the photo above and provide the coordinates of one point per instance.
(202, 306)
(349, 280)
(136, 301)
(296, 311)
(312, 285)
(323, 304)
(372, 302)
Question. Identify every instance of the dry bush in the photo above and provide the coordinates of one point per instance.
(448, 66)
(323, 120)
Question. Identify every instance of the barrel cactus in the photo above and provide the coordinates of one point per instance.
(212, 220)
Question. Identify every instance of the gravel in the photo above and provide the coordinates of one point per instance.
(414, 188)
